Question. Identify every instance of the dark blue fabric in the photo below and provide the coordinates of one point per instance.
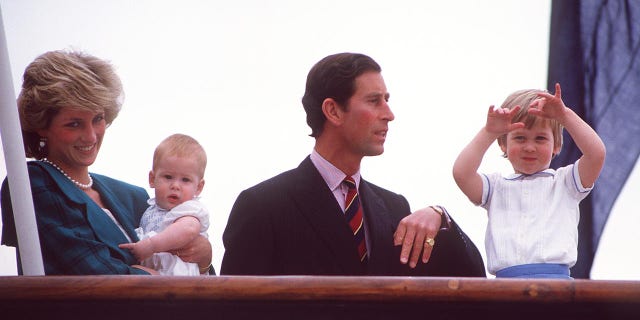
(594, 54)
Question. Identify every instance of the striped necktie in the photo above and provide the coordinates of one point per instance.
(354, 216)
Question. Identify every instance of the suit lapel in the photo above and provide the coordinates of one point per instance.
(120, 213)
(317, 203)
(104, 228)
(381, 227)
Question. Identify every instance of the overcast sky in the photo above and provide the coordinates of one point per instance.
(231, 74)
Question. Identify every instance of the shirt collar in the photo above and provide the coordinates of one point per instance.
(515, 176)
(331, 175)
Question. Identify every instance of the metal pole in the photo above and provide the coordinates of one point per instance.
(24, 214)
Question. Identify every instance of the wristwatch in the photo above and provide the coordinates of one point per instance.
(438, 209)
(444, 215)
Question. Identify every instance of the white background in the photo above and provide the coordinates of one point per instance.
(231, 74)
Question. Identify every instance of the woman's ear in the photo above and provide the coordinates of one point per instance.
(42, 133)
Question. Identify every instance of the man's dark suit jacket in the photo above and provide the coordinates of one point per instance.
(291, 224)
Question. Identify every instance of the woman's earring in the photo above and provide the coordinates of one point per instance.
(43, 143)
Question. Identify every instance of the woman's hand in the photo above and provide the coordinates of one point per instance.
(198, 251)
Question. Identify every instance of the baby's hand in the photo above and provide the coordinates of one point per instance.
(549, 106)
(141, 250)
(499, 120)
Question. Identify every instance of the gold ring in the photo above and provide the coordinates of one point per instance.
(429, 241)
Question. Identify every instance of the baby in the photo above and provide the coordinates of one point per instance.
(175, 216)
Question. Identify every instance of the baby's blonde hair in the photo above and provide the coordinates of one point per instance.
(181, 145)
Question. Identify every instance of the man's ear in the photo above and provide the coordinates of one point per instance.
(332, 111)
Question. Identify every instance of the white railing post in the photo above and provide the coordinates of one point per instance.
(21, 199)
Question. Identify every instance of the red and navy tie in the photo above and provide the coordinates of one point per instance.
(354, 216)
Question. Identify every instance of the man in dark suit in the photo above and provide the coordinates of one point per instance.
(306, 221)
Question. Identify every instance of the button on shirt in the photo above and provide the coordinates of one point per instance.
(532, 218)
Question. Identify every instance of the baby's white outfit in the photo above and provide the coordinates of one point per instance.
(156, 219)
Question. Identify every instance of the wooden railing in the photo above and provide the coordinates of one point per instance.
(299, 297)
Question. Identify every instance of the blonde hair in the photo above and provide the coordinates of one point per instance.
(524, 98)
(181, 145)
(65, 79)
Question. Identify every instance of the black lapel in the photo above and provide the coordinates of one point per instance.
(381, 226)
(317, 203)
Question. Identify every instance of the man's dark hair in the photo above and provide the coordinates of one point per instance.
(333, 77)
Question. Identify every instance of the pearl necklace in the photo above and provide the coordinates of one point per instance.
(78, 184)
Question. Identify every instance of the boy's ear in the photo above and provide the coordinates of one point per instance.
(556, 151)
(152, 179)
(503, 146)
(200, 187)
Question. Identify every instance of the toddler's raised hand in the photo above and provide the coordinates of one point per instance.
(499, 120)
(548, 106)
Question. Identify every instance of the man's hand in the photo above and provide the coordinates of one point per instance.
(414, 233)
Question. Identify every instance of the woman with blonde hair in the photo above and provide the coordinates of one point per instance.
(67, 101)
